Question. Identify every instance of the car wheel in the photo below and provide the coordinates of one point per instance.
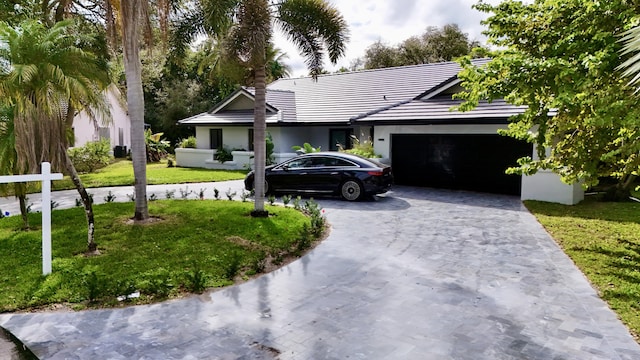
(351, 190)
(266, 187)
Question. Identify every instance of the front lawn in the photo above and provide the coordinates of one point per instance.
(196, 244)
(121, 173)
(603, 239)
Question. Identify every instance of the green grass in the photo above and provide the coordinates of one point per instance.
(121, 173)
(603, 239)
(208, 243)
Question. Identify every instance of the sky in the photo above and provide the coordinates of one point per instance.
(391, 21)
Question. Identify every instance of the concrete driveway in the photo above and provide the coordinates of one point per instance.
(417, 274)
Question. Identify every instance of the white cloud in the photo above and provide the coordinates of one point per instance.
(392, 22)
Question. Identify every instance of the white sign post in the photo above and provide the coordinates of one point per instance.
(45, 177)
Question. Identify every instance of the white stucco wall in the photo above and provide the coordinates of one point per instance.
(86, 129)
(547, 186)
(234, 137)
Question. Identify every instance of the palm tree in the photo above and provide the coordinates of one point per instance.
(631, 45)
(312, 25)
(276, 67)
(44, 79)
(8, 161)
(130, 14)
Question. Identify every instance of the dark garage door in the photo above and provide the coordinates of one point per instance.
(466, 162)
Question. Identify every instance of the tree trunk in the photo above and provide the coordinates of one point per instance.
(92, 247)
(130, 17)
(259, 134)
(621, 191)
(22, 199)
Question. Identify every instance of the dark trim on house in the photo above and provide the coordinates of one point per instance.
(436, 89)
(372, 112)
(449, 121)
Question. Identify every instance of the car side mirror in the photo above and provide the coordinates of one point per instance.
(285, 167)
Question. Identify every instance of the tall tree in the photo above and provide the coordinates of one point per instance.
(434, 45)
(130, 11)
(44, 79)
(312, 25)
(561, 56)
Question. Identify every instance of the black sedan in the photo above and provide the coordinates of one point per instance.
(330, 173)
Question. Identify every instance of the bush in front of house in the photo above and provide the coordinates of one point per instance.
(188, 143)
(361, 148)
(223, 154)
(92, 156)
(157, 148)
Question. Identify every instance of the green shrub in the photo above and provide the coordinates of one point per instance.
(306, 148)
(361, 148)
(188, 143)
(223, 154)
(92, 156)
(157, 148)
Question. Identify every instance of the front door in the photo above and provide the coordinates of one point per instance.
(340, 138)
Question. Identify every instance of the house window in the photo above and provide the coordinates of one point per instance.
(215, 138)
(341, 137)
(250, 139)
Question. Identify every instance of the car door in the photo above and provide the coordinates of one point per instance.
(292, 176)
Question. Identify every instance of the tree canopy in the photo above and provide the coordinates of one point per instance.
(560, 56)
(434, 45)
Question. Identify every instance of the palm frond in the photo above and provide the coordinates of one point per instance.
(631, 44)
(314, 26)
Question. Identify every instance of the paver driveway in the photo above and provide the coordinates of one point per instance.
(418, 274)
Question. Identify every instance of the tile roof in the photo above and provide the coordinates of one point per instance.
(389, 94)
(235, 117)
(339, 97)
(437, 110)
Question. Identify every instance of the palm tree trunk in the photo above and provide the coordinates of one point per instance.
(22, 199)
(92, 247)
(259, 134)
(135, 99)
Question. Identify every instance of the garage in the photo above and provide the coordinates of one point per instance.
(475, 162)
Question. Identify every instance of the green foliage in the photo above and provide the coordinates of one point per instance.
(169, 194)
(306, 238)
(560, 56)
(270, 159)
(94, 284)
(316, 214)
(361, 148)
(156, 146)
(92, 156)
(223, 154)
(306, 148)
(196, 279)
(156, 282)
(110, 197)
(297, 203)
(120, 173)
(230, 194)
(271, 199)
(286, 199)
(196, 250)
(435, 45)
(188, 143)
(184, 194)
